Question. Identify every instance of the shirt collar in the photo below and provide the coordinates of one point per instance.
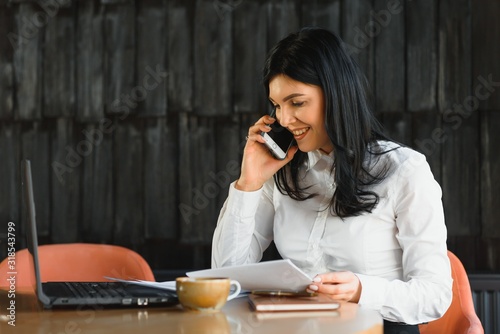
(317, 155)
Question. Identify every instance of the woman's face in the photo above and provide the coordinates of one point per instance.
(300, 108)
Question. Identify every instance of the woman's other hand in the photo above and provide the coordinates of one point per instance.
(341, 285)
(258, 164)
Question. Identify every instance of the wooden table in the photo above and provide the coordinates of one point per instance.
(235, 317)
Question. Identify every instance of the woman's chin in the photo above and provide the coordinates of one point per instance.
(305, 148)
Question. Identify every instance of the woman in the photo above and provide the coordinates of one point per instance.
(358, 212)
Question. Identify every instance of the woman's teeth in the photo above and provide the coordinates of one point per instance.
(300, 132)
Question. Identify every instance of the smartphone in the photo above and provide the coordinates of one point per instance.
(278, 140)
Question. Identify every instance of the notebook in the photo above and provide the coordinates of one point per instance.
(279, 303)
(78, 294)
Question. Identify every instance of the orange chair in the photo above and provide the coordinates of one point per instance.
(78, 262)
(461, 317)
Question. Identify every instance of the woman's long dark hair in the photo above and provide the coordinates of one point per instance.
(318, 57)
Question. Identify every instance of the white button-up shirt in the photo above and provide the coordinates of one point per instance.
(398, 251)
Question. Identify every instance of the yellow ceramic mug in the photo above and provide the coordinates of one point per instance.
(205, 293)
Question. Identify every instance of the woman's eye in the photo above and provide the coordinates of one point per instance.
(297, 104)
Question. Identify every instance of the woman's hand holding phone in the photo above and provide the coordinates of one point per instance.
(258, 164)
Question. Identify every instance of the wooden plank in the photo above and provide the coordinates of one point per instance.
(388, 25)
(322, 13)
(486, 53)
(455, 47)
(128, 170)
(6, 64)
(35, 140)
(51, 7)
(212, 61)
(90, 62)
(229, 145)
(478, 254)
(9, 175)
(48, 6)
(428, 138)
(161, 179)
(114, 2)
(197, 189)
(467, 249)
(460, 178)
(398, 126)
(188, 209)
(180, 21)
(249, 56)
(169, 267)
(151, 58)
(224, 8)
(246, 121)
(421, 55)
(119, 48)
(490, 254)
(68, 155)
(232, 163)
(27, 68)
(283, 18)
(97, 184)
(490, 173)
(357, 34)
(59, 72)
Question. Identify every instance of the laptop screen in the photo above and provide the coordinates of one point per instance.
(30, 228)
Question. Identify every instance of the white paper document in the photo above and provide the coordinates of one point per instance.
(168, 285)
(267, 275)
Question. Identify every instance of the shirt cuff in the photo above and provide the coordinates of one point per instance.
(243, 204)
(373, 291)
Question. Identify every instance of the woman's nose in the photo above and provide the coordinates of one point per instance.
(287, 117)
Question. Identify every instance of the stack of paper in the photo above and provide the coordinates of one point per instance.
(269, 275)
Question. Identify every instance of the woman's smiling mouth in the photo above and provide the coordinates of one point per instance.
(299, 134)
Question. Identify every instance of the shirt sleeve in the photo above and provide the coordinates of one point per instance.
(426, 291)
(244, 228)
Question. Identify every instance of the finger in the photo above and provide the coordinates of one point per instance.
(335, 289)
(347, 296)
(256, 137)
(258, 129)
(266, 120)
(289, 156)
(336, 277)
(341, 291)
(291, 153)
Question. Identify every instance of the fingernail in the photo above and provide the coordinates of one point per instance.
(317, 279)
(313, 287)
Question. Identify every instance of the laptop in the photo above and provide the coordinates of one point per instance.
(78, 294)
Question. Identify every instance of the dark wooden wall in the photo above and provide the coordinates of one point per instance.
(134, 112)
